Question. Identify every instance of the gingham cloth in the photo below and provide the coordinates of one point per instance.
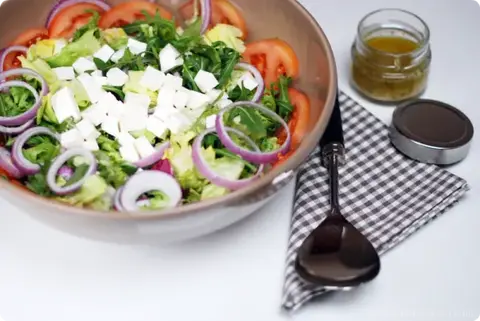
(384, 194)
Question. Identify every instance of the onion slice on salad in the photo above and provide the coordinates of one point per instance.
(154, 158)
(29, 114)
(18, 129)
(206, 6)
(65, 172)
(258, 78)
(116, 200)
(7, 164)
(256, 157)
(62, 4)
(19, 159)
(204, 169)
(148, 181)
(60, 161)
(9, 50)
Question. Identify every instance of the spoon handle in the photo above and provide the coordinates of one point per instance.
(334, 131)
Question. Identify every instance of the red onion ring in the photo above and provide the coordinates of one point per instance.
(19, 159)
(29, 114)
(116, 200)
(17, 130)
(9, 50)
(67, 3)
(7, 165)
(206, 6)
(258, 77)
(203, 168)
(60, 161)
(148, 181)
(65, 172)
(155, 157)
(254, 157)
(163, 166)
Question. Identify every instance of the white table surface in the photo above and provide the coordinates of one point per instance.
(237, 274)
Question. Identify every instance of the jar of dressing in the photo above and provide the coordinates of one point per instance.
(391, 56)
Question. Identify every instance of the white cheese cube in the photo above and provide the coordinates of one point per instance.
(124, 138)
(136, 47)
(180, 99)
(83, 64)
(65, 73)
(197, 100)
(64, 105)
(107, 100)
(210, 121)
(206, 81)
(104, 53)
(91, 145)
(110, 126)
(116, 77)
(100, 80)
(71, 139)
(96, 73)
(131, 122)
(152, 79)
(95, 115)
(86, 128)
(156, 127)
(117, 110)
(143, 147)
(59, 45)
(163, 113)
(92, 87)
(137, 99)
(178, 123)
(224, 103)
(215, 94)
(166, 96)
(129, 153)
(118, 55)
(170, 58)
(248, 81)
(172, 81)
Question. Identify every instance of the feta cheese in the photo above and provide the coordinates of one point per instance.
(206, 81)
(178, 123)
(110, 126)
(163, 113)
(180, 99)
(83, 64)
(152, 79)
(166, 96)
(71, 139)
(92, 87)
(224, 103)
(156, 127)
(210, 121)
(118, 55)
(140, 100)
(214, 94)
(125, 138)
(197, 100)
(59, 45)
(95, 114)
(105, 53)
(143, 147)
(172, 81)
(86, 128)
(96, 73)
(136, 47)
(129, 153)
(65, 73)
(133, 123)
(91, 145)
(170, 58)
(247, 81)
(64, 105)
(117, 110)
(116, 77)
(101, 81)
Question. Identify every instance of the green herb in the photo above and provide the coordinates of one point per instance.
(284, 105)
(79, 173)
(251, 119)
(38, 184)
(117, 91)
(91, 25)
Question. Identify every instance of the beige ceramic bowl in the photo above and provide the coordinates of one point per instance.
(285, 19)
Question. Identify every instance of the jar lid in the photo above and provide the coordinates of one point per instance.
(431, 132)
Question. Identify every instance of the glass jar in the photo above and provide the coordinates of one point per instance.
(391, 56)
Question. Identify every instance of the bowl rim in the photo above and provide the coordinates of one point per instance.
(191, 209)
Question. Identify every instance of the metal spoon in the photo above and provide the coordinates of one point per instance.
(336, 255)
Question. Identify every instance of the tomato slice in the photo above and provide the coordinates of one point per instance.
(273, 58)
(71, 18)
(26, 38)
(128, 12)
(298, 124)
(222, 12)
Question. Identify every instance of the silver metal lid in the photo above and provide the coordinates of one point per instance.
(431, 132)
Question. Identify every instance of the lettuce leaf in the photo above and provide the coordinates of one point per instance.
(93, 188)
(133, 85)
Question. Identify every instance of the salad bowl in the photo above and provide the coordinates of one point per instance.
(267, 19)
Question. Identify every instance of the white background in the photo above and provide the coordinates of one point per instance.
(237, 274)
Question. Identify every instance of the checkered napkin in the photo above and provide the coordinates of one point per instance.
(384, 194)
